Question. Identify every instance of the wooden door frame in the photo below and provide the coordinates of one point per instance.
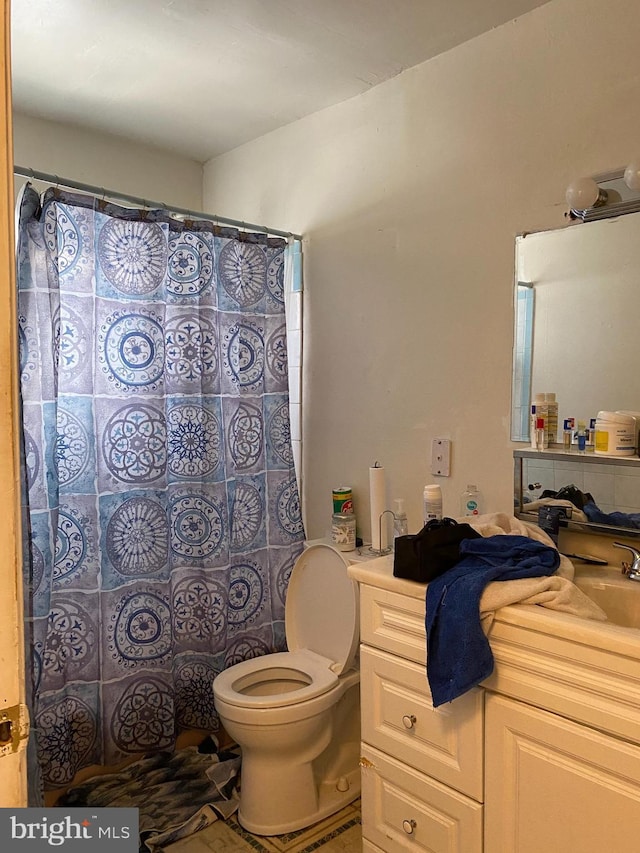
(13, 777)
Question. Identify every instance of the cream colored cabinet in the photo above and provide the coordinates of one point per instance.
(546, 757)
(554, 785)
(422, 767)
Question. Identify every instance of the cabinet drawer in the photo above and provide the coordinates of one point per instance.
(403, 809)
(399, 718)
(393, 622)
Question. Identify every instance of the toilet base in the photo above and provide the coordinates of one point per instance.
(329, 801)
(296, 774)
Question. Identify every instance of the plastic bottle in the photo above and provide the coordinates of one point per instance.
(470, 501)
(432, 500)
(400, 523)
(591, 436)
(541, 412)
(532, 427)
(567, 433)
(551, 426)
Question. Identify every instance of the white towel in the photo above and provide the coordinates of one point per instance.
(557, 592)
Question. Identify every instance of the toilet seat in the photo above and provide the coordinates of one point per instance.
(311, 673)
(322, 630)
(321, 610)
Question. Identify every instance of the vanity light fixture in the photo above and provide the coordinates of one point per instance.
(632, 175)
(604, 196)
(584, 193)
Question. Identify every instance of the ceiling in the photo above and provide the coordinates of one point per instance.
(200, 77)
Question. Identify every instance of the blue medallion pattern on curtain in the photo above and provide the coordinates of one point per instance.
(163, 506)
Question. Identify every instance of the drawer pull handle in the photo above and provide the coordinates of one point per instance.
(409, 721)
(409, 826)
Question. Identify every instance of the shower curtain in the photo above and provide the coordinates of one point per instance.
(163, 509)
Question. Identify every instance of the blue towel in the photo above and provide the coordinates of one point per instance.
(620, 519)
(458, 653)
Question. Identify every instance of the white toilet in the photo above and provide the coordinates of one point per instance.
(296, 714)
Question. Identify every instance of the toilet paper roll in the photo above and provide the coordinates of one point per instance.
(377, 499)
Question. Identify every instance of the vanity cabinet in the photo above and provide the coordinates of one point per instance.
(422, 767)
(554, 785)
(545, 756)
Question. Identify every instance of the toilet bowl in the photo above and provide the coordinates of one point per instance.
(296, 714)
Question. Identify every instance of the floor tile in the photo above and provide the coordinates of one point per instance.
(339, 833)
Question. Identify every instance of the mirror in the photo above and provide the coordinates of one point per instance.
(577, 310)
(614, 485)
(577, 320)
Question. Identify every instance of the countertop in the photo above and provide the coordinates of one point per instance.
(379, 572)
(584, 670)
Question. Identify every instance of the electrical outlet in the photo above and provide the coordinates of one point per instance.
(441, 457)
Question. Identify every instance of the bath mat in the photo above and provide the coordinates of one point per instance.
(177, 793)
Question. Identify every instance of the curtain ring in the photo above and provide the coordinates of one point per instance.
(99, 203)
(167, 213)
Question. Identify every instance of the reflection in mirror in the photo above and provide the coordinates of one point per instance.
(599, 494)
(578, 320)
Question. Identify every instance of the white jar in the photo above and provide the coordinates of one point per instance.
(615, 434)
(343, 531)
(636, 417)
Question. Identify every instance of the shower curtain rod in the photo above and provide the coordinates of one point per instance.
(25, 172)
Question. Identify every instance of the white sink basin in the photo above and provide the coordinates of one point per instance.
(614, 593)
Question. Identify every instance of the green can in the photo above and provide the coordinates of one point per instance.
(343, 500)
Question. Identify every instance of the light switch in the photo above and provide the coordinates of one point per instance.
(441, 457)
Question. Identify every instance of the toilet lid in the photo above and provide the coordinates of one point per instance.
(321, 610)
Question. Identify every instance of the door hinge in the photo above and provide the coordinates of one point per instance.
(14, 729)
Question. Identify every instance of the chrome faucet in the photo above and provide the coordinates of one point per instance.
(631, 571)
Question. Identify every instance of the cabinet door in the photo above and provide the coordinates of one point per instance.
(556, 786)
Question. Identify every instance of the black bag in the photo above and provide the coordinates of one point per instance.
(424, 556)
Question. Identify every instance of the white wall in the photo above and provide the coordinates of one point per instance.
(106, 161)
(410, 197)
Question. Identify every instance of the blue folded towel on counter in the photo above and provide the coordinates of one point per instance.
(458, 653)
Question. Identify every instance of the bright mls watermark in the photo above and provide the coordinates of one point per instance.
(35, 829)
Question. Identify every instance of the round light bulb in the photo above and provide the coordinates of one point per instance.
(582, 193)
(632, 175)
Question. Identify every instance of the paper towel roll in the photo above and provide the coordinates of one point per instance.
(377, 498)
